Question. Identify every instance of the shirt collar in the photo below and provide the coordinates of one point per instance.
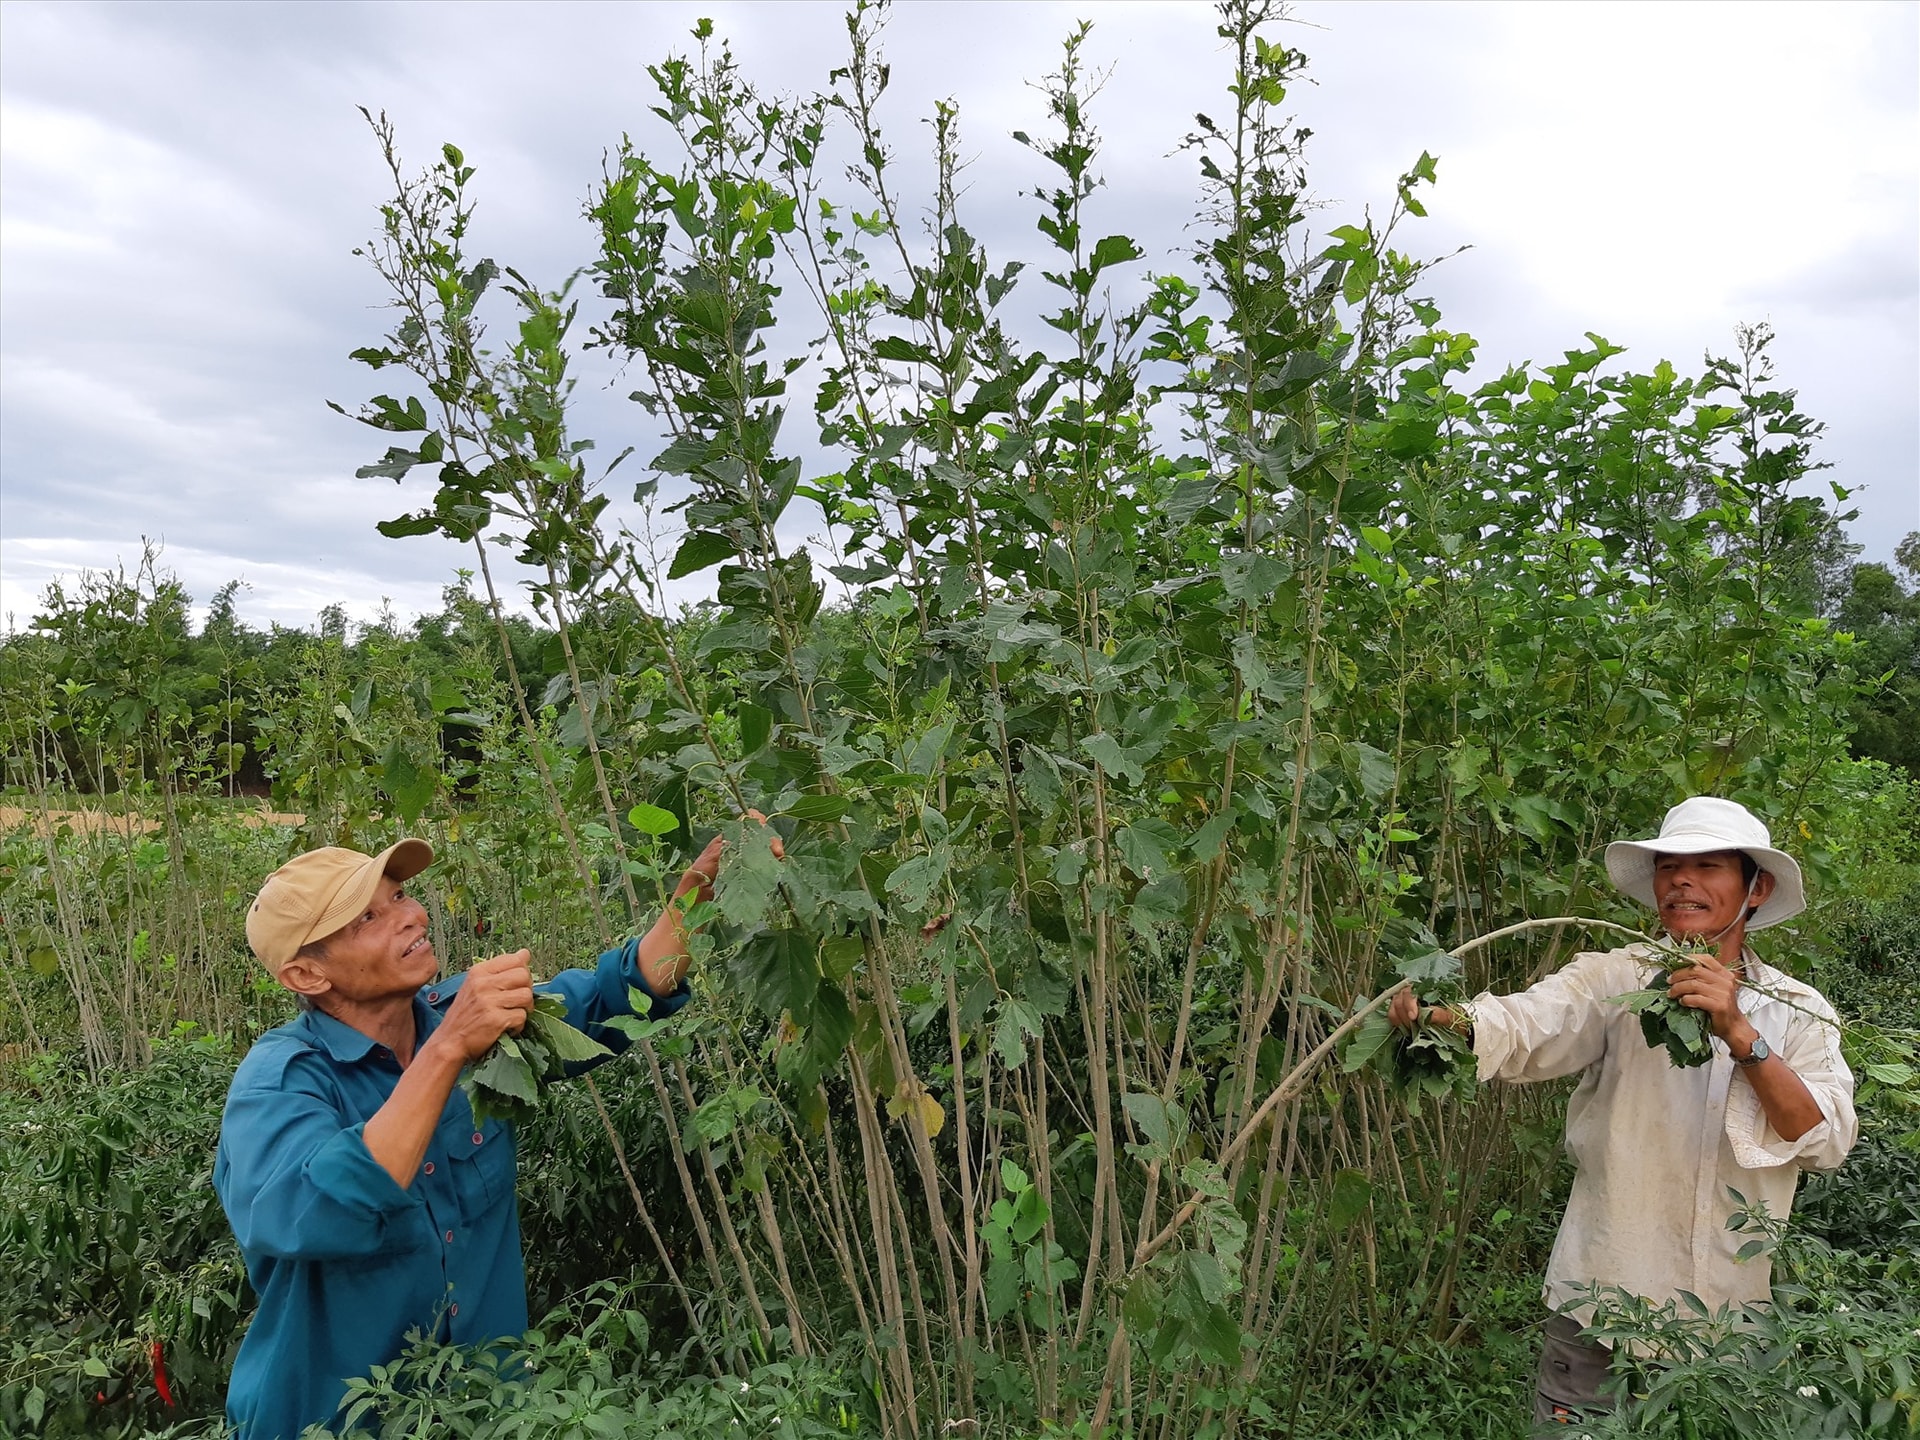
(1761, 980)
(349, 1046)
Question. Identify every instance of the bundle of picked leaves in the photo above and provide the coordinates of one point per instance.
(1426, 1060)
(1430, 1060)
(505, 1083)
(1684, 1031)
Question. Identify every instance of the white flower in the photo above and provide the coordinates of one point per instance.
(744, 1387)
(1841, 1308)
(1808, 1390)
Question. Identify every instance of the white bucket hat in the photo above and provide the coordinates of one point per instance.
(1697, 826)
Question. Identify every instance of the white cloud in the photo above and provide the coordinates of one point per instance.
(180, 188)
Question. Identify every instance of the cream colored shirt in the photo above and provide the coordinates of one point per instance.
(1658, 1147)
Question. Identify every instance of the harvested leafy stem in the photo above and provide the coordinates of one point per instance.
(505, 1083)
(1424, 1061)
(1664, 1021)
(1683, 1030)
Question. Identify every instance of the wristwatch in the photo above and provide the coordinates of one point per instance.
(1760, 1051)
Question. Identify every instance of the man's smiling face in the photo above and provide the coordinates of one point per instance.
(1703, 895)
(384, 952)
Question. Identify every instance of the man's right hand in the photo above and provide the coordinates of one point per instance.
(493, 1001)
(1404, 1012)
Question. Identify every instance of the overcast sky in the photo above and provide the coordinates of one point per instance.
(181, 188)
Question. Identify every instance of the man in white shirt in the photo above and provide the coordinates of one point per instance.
(1657, 1147)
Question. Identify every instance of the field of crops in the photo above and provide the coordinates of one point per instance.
(1158, 696)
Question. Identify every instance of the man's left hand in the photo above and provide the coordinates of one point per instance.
(697, 879)
(1705, 984)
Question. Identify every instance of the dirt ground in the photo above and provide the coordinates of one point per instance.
(92, 822)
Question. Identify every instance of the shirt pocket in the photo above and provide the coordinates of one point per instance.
(481, 1160)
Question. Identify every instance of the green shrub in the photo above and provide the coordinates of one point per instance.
(121, 1272)
(589, 1370)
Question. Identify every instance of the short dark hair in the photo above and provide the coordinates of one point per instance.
(1749, 871)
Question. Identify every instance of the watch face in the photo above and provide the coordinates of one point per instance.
(1761, 1050)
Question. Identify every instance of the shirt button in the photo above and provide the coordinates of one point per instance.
(429, 1169)
(449, 1237)
(478, 1137)
(453, 1309)
(432, 995)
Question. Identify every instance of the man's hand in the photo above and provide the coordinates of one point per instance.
(1403, 1013)
(697, 879)
(663, 949)
(493, 1001)
(1705, 984)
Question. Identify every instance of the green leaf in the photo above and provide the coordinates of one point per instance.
(567, 1044)
(425, 523)
(838, 956)
(1018, 1020)
(411, 787)
(748, 881)
(829, 1024)
(500, 1075)
(896, 347)
(817, 807)
(1208, 839)
(652, 820)
(1029, 1215)
(700, 549)
(1003, 1287)
(1149, 1117)
(1141, 1308)
(1145, 846)
(1366, 1041)
(1252, 578)
(781, 970)
(1430, 967)
(1665, 1022)
(1105, 752)
(1347, 1198)
(914, 882)
(1219, 1335)
(1113, 250)
(756, 726)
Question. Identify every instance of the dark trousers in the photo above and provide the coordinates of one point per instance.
(1572, 1370)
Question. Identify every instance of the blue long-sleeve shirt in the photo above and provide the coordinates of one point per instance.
(345, 1261)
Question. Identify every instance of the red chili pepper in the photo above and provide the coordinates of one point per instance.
(160, 1375)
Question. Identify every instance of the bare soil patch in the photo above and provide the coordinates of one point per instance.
(93, 822)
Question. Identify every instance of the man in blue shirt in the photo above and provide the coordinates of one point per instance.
(366, 1201)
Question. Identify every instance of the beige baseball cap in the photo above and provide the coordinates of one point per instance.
(315, 894)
